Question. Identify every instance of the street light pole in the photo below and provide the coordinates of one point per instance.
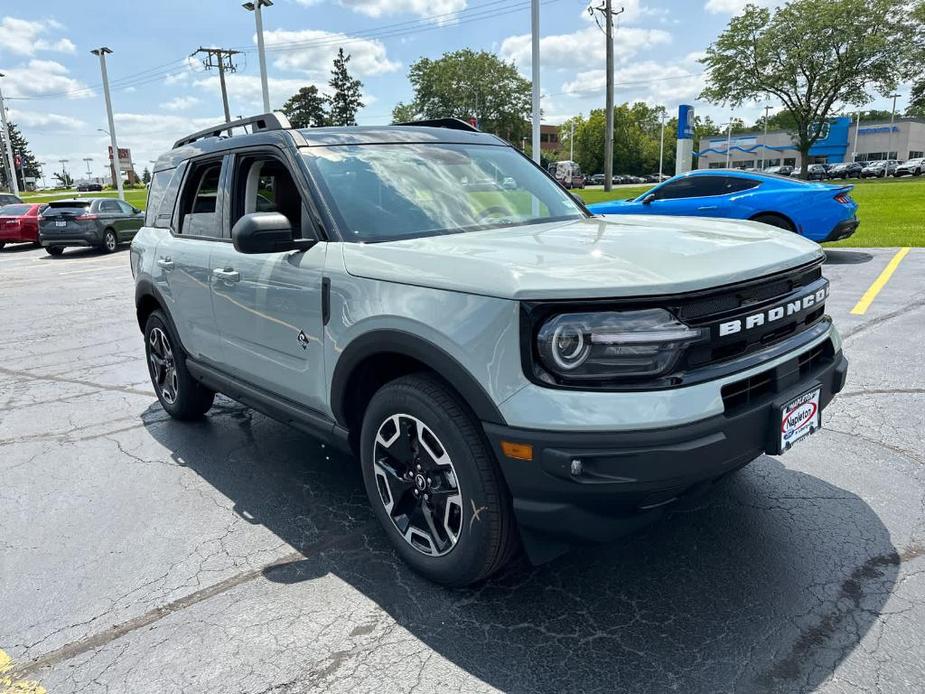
(255, 8)
(535, 70)
(728, 141)
(889, 154)
(11, 163)
(857, 131)
(571, 141)
(87, 161)
(661, 147)
(764, 145)
(63, 163)
(116, 165)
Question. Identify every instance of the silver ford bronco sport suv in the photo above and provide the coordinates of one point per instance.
(508, 369)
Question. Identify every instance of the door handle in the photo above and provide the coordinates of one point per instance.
(165, 263)
(228, 275)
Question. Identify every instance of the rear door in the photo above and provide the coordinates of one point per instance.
(268, 306)
(183, 257)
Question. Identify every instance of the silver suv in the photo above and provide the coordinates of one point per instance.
(508, 369)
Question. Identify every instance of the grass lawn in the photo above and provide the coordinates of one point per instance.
(892, 210)
(137, 197)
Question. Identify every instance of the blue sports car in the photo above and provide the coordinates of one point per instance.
(818, 211)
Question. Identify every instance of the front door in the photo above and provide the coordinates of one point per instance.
(268, 306)
(130, 221)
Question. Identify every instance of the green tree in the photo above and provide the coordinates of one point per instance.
(404, 113)
(28, 165)
(811, 55)
(305, 108)
(64, 179)
(916, 106)
(344, 101)
(146, 176)
(466, 83)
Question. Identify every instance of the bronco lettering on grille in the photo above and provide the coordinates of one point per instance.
(773, 314)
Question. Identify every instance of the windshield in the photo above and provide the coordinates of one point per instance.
(14, 210)
(394, 191)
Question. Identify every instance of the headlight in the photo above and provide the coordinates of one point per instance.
(582, 347)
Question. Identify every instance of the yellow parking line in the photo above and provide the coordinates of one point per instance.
(861, 307)
(9, 684)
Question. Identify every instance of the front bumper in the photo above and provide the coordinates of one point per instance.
(627, 477)
(843, 229)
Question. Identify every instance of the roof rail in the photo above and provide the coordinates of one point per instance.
(261, 123)
(451, 123)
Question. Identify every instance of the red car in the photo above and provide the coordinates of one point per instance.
(19, 223)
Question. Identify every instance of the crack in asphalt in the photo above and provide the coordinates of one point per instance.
(914, 305)
(95, 641)
(76, 381)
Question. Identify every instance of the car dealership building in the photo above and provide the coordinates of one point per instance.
(842, 140)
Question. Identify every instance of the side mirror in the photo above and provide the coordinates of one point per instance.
(266, 232)
(647, 200)
(136, 210)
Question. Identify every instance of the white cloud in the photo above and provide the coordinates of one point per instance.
(181, 103)
(649, 81)
(736, 6)
(244, 91)
(45, 121)
(312, 52)
(22, 37)
(582, 48)
(420, 8)
(41, 77)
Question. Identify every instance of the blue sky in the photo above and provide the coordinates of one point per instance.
(52, 80)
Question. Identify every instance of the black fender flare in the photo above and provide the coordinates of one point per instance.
(407, 344)
(144, 289)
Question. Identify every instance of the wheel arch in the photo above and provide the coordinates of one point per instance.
(779, 215)
(377, 357)
(148, 298)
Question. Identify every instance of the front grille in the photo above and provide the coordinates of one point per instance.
(761, 386)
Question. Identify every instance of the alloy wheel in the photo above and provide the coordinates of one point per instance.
(110, 241)
(163, 366)
(417, 484)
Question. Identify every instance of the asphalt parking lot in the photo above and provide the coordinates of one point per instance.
(141, 554)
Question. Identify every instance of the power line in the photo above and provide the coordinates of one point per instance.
(221, 58)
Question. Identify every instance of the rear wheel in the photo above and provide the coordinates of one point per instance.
(54, 250)
(774, 220)
(2, 244)
(433, 482)
(110, 241)
(179, 394)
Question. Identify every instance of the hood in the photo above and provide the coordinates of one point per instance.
(629, 255)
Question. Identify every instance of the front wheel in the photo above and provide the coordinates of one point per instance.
(179, 394)
(433, 482)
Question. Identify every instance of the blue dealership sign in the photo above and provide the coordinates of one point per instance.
(685, 122)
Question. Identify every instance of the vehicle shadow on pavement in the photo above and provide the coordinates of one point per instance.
(837, 257)
(765, 584)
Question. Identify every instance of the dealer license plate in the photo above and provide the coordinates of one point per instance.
(60, 224)
(799, 418)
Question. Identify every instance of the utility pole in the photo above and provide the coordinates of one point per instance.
(606, 9)
(220, 58)
(728, 142)
(764, 145)
(535, 69)
(571, 141)
(258, 17)
(63, 163)
(87, 161)
(11, 165)
(116, 165)
(41, 166)
(889, 154)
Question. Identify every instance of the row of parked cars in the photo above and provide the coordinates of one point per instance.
(101, 223)
(620, 179)
(853, 169)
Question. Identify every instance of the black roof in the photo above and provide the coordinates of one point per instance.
(324, 137)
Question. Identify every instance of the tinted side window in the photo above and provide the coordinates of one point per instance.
(691, 187)
(737, 185)
(199, 214)
(108, 206)
(124, 207)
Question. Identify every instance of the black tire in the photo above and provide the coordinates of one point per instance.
(110, 241)
(54, 250)
(485, 530)
(2, 244)
(774, 220)
(181, 397)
